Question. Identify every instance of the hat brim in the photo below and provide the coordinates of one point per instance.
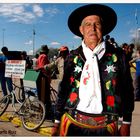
(107, 14)
(43, 51)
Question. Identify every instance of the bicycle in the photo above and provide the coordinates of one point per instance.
(31, 110)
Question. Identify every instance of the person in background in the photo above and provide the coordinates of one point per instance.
(96, 88)
(107, 38)
(136, 59)
(57, 66)
(26, 58)
(63, 53)
(28, 65)
(113, 42)
(5, 81)
(59, 62)
(131, 48)
(41, 62)
(125, 48)
(43, 58)
(131, 55)
(34, 61)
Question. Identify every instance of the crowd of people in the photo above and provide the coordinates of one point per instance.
(95, 83)
(132, 53)
(41, 63)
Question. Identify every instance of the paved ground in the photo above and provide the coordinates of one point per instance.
(14, 128)
(135, 128)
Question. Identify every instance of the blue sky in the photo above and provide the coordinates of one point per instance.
(49, 21)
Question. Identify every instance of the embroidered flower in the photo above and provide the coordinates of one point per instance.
(75, 60)
(71, 79)
(108, 85)
(113, 82)
(110, 68)
(87, 67)
(108, 54)
(77, 83)
(86, 78)
(78, 69)
(114, 58)
(110, 101)
(73, 96)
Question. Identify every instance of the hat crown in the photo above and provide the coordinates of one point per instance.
(63, 48)
(44, 48)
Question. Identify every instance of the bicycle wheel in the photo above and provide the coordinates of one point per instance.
(4, 102)
(33, 115)
(53, 96)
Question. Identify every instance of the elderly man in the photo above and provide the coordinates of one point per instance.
(96, 88)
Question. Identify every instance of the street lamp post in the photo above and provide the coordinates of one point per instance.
(3, 37)
(33, 40)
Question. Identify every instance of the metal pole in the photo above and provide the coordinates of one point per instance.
(136, 39)
(3, 37)
(33, 40)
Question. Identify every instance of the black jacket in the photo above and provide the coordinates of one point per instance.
(117, 89)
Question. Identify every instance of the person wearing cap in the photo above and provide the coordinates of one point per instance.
(59, 62)
(43, 57)
(45, 75)
(96, 88)
(63, 53)
(57, 66)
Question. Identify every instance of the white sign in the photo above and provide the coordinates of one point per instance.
(15, 68)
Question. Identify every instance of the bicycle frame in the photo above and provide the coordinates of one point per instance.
(14, 99)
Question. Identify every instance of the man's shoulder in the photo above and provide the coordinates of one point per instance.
(3, 58)
(60, 60)
(112, 49)
(76, 51)
(42, 56)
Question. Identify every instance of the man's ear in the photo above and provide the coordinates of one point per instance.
(81, 30)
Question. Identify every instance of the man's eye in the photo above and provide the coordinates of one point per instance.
(87, 24)
(98, 24)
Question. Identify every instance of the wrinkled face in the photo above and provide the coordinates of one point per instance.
(91, 29)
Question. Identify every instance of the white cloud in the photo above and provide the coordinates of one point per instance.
(22, 13)
(30, 52)
(54, 43)
(76, 37)
(38, 10)
(25, 13)
(51, 11)
(30, 42)
(132, 33)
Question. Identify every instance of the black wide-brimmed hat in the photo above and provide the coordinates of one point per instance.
(44, 49)
(107, 14)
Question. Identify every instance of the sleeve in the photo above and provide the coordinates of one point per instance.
(63, 89)
(42, 61)
(127, 91)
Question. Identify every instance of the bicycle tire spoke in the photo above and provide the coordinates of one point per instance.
(4, 102)
(34, 115)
